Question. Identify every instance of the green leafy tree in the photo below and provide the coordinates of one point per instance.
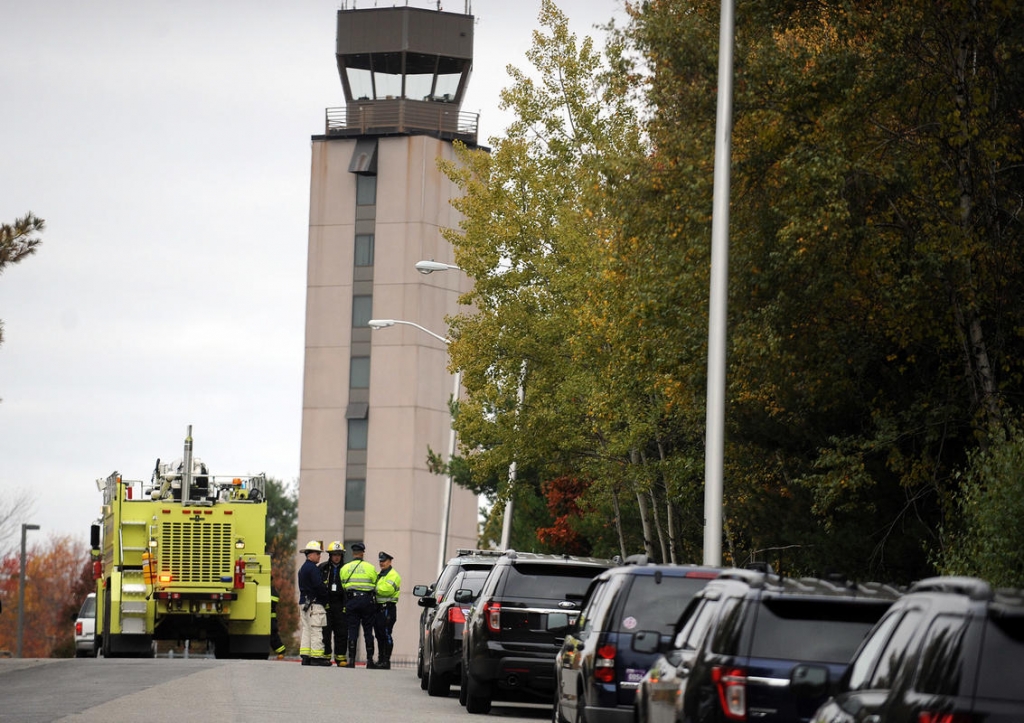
(874, 255)
(17, 241)
(531, 237)
(282, 529)
(988, 542)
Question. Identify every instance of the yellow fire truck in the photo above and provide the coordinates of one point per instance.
(182, 558)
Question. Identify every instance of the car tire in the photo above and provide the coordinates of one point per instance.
(476, 700)
(438, 685)
(425, 680)
(463, 686)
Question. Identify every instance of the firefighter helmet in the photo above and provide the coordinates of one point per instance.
(336, 547)
(312, 546)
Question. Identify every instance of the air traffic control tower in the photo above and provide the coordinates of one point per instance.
(374, 401)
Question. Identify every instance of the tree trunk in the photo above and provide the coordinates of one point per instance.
(645, 523)
(618, 522)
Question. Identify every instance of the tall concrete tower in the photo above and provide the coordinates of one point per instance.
(375, 401)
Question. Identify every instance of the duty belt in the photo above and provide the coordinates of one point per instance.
(357, 593)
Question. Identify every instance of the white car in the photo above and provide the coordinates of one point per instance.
(85, 629)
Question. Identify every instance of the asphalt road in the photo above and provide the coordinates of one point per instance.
(158, 690)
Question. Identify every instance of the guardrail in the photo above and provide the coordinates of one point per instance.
(401, 116)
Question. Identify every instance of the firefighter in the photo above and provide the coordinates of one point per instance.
(276, 644)
(389, 585)
(336, 631)
(313, 607)
(359, 579)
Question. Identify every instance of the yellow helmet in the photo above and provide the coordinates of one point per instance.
(335, 546)
(312, 546)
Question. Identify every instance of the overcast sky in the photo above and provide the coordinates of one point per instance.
(167, 146)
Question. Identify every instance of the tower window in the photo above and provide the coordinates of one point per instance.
(366, 190)
(364, 249)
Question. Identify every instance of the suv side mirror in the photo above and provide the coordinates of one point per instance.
(558, 623)
(464, 595)
(809, 681)
(647, 641)
(427, 601)
(421, 590)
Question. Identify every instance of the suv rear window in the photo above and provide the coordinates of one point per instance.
(818, 631)
(1001, 675)
(536, 580)
(654, 605)
(88, 608)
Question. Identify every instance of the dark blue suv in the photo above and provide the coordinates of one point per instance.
(769, 648)
(949, 651)
(597, 670)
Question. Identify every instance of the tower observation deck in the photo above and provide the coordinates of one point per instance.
(404, 71)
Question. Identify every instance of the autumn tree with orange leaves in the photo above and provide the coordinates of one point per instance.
(57, 580)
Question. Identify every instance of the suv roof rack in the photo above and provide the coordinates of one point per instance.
(637, 560)
(973, 587)
(463, 551)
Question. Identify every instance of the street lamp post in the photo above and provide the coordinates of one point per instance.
(447, 505)
(21, 586)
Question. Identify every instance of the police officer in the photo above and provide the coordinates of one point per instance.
(336, 631)
(389, 585)
(359, 579)
(312, 607)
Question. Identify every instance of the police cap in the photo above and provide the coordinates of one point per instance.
(382, 556)
(358, 547)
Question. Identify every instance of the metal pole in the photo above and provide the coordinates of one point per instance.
(506, 524)
(714, 455)
(448, 483)
(21, 587)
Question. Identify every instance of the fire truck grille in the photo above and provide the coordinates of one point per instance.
(195, 552)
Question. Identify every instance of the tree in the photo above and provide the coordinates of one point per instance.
(14, 510)
(282, 529)
(17, 241)
(530, 238)
(989, 541)
(875, 248)
(53, 591)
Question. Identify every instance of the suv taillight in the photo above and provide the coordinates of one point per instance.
(930, 717)
(492, 615)
(78, 628)
(731, 684)
(455, 615)
(604, 664)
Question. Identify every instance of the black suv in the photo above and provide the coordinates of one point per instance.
(757, 646)
(597, 670)
(430, 595)
(950, 651)
(507, 648)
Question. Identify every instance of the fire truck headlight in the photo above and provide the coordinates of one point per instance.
(240, 544)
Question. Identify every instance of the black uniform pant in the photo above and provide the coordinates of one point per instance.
(336, 630)
(362, 609)
(384, 625)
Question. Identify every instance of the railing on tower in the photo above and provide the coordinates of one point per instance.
(399, 116)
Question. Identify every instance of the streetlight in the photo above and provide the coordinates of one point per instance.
(429, 267)
(384, 323)
(21, 586)
(445, 521)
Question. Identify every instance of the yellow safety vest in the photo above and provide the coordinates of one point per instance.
(389, 584)
(358, 576)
